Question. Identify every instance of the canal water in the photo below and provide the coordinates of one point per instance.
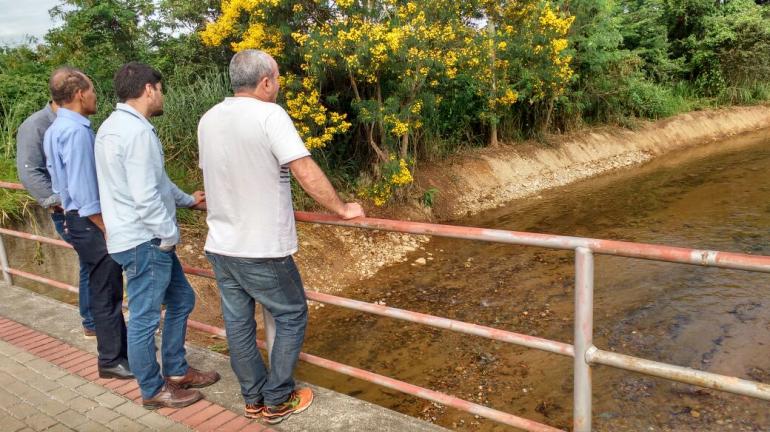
(716, 196)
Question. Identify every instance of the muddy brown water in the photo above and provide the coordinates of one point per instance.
(714, 197)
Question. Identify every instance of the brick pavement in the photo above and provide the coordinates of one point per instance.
(46, 384)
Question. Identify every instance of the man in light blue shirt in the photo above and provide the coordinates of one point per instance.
(139, 204)
(31, 166)
(69, 152)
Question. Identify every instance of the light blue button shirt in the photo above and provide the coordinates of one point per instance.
(138, 199)
(69, 152)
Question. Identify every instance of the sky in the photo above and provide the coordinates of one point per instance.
(21, 18)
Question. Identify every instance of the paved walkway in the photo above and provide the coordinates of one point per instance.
(48, 385)
(49, 381)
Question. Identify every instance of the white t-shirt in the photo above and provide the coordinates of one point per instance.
(245, 146)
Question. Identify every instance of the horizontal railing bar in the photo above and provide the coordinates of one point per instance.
(44, 280)
(394, 384)
(449, 324)
(607, 247)
(423, 393)
(8, 185)
(38, 238)
(647, 251)
(680, 374)
(430, 320)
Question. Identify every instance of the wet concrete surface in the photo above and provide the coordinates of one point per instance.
(712, 197)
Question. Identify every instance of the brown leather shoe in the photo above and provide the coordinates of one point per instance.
(170, 396)
(194, 379)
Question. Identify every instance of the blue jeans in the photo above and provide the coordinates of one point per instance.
(155, 278)
(83, 295)
(276, 284)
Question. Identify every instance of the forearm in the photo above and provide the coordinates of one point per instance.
(37, 182)
(181, 198)
(316, 184)
(98, 221)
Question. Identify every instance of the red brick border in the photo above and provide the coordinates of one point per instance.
(202, 416)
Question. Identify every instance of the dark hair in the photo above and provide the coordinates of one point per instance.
(65, 82)
(131, 79)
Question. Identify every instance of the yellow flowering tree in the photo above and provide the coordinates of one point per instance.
(524, 47)
(269, 25)
(371, 73)
(388, 51)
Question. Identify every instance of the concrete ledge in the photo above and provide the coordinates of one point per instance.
(330, 411)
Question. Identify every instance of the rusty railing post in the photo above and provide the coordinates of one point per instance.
(4, 263)
(584, 335)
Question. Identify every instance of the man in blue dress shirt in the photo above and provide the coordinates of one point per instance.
(69, 149)
(30, 164)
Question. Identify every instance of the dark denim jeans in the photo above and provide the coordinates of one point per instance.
(83, 294)
(105, 286)
(156, 278)
(276, 284)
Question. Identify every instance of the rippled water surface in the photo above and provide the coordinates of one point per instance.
(713, 197)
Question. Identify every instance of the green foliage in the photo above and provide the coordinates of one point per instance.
(429, 197)
(406, 80)
(177, 128)
(734, 53)
(98, 36)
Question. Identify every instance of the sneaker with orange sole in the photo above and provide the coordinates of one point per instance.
(254, 411)
(299, 400)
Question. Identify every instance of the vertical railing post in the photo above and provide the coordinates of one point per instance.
(584, 335)
(4, 263)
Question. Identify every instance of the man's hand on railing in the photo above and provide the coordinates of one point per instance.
(351, 211)
(200, 201)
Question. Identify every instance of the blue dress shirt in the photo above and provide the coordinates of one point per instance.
(69, 153)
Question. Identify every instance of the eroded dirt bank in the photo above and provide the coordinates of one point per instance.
(333, 258)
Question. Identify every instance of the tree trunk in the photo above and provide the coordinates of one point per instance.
(493, 57)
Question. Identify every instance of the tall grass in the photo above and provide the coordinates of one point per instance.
(177, 128)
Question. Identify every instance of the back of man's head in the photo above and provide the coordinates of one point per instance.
(65, 82)
(248, 68)
(131, 79)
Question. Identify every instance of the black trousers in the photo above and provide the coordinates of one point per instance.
(105, 282)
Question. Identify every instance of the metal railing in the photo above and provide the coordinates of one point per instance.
(583, 351)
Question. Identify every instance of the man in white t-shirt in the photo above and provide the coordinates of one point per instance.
(249, 148)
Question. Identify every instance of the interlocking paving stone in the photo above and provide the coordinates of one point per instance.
(109, 400)
(64, 394)
(102, 415)
(52, 407)
(23, 410)
(131, 410)
(90, 390)
(11, 424)
(124, 424)
(72, 418)
(40, 422)
(59, 428)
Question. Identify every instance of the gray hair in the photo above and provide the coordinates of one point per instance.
(248, 67)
